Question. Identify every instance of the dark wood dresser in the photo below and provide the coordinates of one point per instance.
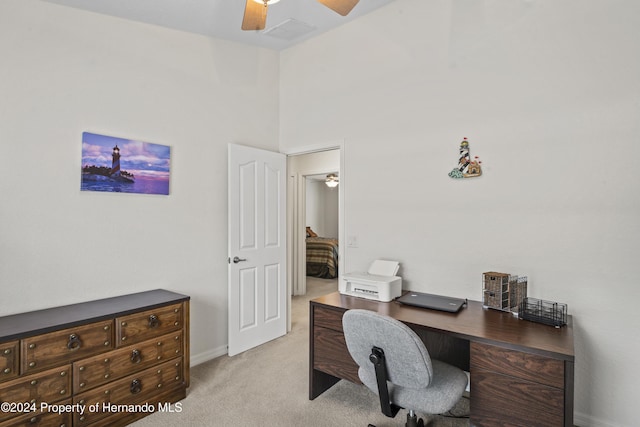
(107, 362)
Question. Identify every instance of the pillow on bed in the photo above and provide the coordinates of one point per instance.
(311, 233)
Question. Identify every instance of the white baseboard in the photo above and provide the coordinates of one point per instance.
(199, 358)
(584, 420)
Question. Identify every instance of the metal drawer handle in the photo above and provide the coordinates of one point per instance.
(74, 342)
(136, 356)
(136, 386)
(153, 321)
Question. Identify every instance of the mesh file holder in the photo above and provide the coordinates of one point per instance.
(547, 312)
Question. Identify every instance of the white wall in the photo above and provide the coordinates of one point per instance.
(66, 71)
(548, 94)
(322, 208)
(331, 210)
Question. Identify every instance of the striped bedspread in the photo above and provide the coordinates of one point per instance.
(322, 257)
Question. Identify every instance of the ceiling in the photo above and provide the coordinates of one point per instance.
(321, 176)
(288, 22)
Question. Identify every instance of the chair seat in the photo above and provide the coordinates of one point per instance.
(443, 393)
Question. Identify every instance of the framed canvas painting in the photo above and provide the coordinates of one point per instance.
(124, 165)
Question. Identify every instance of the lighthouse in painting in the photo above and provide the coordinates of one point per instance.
(117, 174)
(115, 162)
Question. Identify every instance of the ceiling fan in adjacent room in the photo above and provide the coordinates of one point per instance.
(255, 11)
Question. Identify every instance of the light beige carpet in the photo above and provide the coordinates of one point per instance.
(269, 386)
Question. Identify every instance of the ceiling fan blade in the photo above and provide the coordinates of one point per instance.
(255, 16)
(343, 7)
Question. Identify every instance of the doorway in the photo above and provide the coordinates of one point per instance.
(307, 173)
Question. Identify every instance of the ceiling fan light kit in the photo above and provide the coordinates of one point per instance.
(255, 11)
(332, 180)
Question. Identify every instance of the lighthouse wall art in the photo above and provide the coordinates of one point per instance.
(466, 168)
(124, 165)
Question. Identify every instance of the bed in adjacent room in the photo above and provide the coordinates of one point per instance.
(322, 256)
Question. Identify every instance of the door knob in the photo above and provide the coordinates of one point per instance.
(237, 260)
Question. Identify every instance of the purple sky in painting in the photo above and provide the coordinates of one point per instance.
(143, 159)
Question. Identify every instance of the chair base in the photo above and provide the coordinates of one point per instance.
(413, 420)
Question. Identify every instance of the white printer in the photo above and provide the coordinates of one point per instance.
(379, 283)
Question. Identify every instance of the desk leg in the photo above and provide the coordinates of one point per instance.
(319, 382)
(568, 393)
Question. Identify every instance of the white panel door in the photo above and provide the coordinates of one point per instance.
(257, 247)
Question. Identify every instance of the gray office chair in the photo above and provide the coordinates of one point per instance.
(395, 364)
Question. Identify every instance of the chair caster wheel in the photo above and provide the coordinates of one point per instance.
(414, 421)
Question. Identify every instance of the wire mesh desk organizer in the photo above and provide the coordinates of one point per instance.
(541, 311)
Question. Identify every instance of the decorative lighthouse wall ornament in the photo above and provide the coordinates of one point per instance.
(466, 168)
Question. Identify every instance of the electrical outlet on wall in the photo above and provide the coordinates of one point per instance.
(352, 241)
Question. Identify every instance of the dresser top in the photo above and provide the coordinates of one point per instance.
(17, 326)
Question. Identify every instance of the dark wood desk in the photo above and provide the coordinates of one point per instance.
(521, 372)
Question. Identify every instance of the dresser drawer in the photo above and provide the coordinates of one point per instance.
(160, 402)
(42, 419)
(327, 318)
(530, 367)
(64, 346)
(9, 352)
(101, 369)
(48, 386)
(131, 390)
(148, 324)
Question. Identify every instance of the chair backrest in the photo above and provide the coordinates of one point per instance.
(408, 362)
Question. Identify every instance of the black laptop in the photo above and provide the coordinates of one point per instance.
(434, 302)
